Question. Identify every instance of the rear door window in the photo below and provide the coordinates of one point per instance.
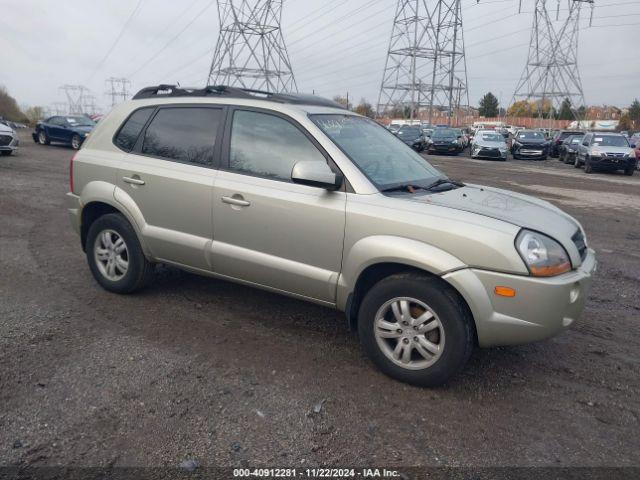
(183, 134)
(130, 130)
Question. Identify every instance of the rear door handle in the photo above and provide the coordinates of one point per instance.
(236, 200)
(133, 180)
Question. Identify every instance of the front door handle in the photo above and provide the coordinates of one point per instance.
(133, 180)
(236, 200)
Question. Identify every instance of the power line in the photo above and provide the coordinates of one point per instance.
(117, 40)
(175, 37)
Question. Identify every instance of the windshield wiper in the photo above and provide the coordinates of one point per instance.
(443, 181)
(405, 187)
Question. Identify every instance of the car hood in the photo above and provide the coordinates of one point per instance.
(624, 150)
(82, 129)
(5, 130)
(531, 141)
(485, 143)
(520, 210)
(443, 139)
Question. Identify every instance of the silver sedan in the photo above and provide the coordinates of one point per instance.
(489, 144)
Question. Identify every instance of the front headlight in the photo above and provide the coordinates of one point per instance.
(597, 153)
(543, 256)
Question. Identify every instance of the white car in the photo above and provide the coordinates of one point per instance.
(8, 139)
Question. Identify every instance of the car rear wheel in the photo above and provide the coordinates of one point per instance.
(76, 142)
(415, 329)
(43, 138)
(115, 256)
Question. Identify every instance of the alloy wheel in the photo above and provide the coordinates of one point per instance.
(111, 255)
(409, 333)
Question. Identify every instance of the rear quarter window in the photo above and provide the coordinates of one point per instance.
(130, 130)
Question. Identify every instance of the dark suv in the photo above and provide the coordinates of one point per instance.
(559, 137)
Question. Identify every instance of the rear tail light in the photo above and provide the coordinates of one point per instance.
(71, 172)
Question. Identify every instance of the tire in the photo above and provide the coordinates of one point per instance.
(76, 142)
(576, 162)
(43, 138)
(6, 153)
(138, 270)
(453, 335)
(629, 171)
(587, 166)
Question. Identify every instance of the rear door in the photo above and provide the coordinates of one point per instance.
(169, 175)
(268, 230)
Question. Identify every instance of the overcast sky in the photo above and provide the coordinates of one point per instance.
(45, 44)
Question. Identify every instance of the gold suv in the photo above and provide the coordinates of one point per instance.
(293, 194)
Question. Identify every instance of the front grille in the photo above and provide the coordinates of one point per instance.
(615, 155)
(5, 140)
(580, 243)
(490, 152)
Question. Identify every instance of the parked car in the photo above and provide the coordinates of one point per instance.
(445, 141)
(559, 137)
(569, 147)
(531, 144)
(294, 194)
(9, 141)
(412, 135)
(69, 129)
(489, 144)
(606, 151)
(394, 127)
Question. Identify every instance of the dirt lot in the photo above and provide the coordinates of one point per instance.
(194, 368)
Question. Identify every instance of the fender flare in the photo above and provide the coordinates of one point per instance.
(107, 193)
(379, 249)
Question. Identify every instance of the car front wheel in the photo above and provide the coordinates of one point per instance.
(115, 256)
(587, 166)
(43, 138)
(629, 171)
(76, 142)
(576, 162)
(415, 329)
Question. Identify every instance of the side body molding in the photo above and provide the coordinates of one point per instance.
(391, 249)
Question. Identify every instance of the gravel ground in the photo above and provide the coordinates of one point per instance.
(194, 368)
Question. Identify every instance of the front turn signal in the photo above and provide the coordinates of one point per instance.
(504, 291)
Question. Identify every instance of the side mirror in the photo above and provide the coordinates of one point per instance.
(316, 174)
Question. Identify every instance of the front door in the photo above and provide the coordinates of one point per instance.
(268, 230)
(169, 175)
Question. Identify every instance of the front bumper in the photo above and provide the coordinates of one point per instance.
(613, 163)
(74, 209)
(448, 148)
(542, 307)
(10, 145)
(486, 152)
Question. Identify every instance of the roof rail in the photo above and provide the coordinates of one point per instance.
(234, 92)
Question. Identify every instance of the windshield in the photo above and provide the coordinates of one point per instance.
(531, 136)
(444, 133)
(80, 121)
(382, 157)
(492, 137)
(610, 141)
(409, 132)
(574, 140)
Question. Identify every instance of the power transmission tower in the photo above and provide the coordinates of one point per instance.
(426, 64)
(551, 75)
(75, 98)
(118, 90)
(58, 108)
(250, 52)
